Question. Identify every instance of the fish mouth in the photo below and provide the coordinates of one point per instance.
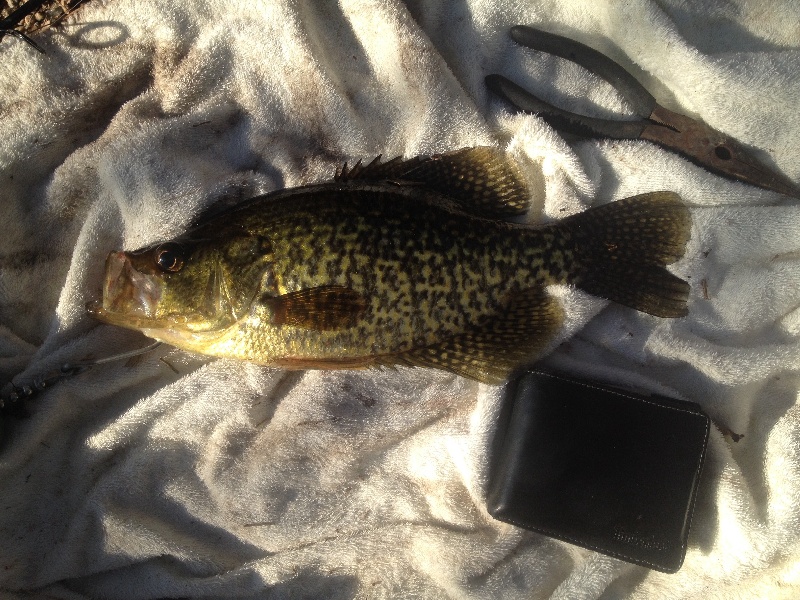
(130, 297)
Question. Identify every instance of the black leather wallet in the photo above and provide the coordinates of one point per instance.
(608, 470)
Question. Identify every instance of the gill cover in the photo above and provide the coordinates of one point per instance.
(188, 285)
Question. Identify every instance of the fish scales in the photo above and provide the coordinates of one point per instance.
(438, 270)
(399, 263)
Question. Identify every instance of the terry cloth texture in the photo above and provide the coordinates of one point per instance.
(181, 476)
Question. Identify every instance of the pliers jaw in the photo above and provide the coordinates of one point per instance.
(714, 151)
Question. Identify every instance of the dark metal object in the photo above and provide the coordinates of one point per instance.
(13, 396)
(7, 25)
(703, 145)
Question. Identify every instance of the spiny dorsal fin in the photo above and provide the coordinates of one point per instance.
(376, 170)
(514, 336)
(482, 180)
(323, 308)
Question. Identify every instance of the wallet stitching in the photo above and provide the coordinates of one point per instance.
(692, 500)
(560, 536)
(616, 393)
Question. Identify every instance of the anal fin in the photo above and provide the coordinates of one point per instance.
(514, 336)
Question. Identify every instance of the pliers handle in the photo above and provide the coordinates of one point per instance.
(634, 92)
(700, 143)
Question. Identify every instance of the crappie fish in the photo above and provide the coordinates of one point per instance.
(405, 262)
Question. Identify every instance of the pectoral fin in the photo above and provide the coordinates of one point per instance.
(322, 308)
(514, 336)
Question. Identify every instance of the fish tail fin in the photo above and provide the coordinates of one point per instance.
(621, 250)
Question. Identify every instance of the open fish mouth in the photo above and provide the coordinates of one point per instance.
(130, 297)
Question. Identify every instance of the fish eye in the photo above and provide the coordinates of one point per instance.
(169, 258)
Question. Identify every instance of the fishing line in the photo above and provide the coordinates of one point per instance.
(12, 395)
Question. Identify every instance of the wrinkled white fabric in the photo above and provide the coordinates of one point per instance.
(174, 475)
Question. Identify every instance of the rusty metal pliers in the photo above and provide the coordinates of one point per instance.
(693, 139)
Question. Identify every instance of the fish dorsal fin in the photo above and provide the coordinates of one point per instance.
(482, 180)
(391, 170)
(513, 336)
(322, 308)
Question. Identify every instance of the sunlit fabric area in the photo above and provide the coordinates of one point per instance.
(171, 474)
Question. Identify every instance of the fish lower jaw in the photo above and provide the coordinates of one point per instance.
(174, 333)
(96, 310)
(211, 343)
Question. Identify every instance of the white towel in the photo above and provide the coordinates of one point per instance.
(181, 476)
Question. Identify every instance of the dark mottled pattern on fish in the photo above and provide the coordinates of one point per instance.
(404, 262)
(424, 272)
